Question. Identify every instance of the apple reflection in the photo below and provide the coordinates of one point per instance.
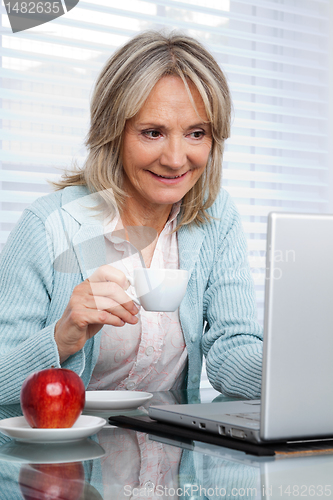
(64, 481)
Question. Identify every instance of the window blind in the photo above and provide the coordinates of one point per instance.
(274, 53)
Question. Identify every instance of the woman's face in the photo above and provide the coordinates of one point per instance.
(165, 145)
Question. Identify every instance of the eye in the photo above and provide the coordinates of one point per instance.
(152, 134)
(197, 134)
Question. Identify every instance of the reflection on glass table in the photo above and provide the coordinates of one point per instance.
(119, 463)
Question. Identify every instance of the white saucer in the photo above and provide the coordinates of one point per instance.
(50, 453)
(18, 428)
(115, 400)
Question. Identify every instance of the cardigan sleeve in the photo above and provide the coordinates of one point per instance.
(26, 285)
(232, 341)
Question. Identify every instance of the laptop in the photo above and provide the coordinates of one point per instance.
(297, 374)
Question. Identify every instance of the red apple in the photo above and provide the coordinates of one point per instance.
(52, 481)
(52, 398)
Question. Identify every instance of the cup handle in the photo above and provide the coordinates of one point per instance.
(131, 296)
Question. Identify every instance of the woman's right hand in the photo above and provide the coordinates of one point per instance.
(97, 301)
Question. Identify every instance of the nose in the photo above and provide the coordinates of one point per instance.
(173, 154)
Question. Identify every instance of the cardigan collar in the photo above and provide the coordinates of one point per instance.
(81, 204)
(89, 243)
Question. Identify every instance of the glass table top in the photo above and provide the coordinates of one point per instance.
(119, 463)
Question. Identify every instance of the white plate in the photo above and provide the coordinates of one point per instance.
(18, 428)
(115, 400)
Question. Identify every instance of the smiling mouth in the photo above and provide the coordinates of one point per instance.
(167, 177)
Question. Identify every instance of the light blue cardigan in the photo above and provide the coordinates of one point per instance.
(59, 242)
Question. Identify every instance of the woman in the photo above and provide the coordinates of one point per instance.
(159, 116)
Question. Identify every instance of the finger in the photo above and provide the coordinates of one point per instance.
(114, 292)
(95, 317)
(109, 319)
(109, 305)
(102, 302)
(84, 317)
(109, 273)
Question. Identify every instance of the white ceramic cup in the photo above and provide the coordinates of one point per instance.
(158, 289)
